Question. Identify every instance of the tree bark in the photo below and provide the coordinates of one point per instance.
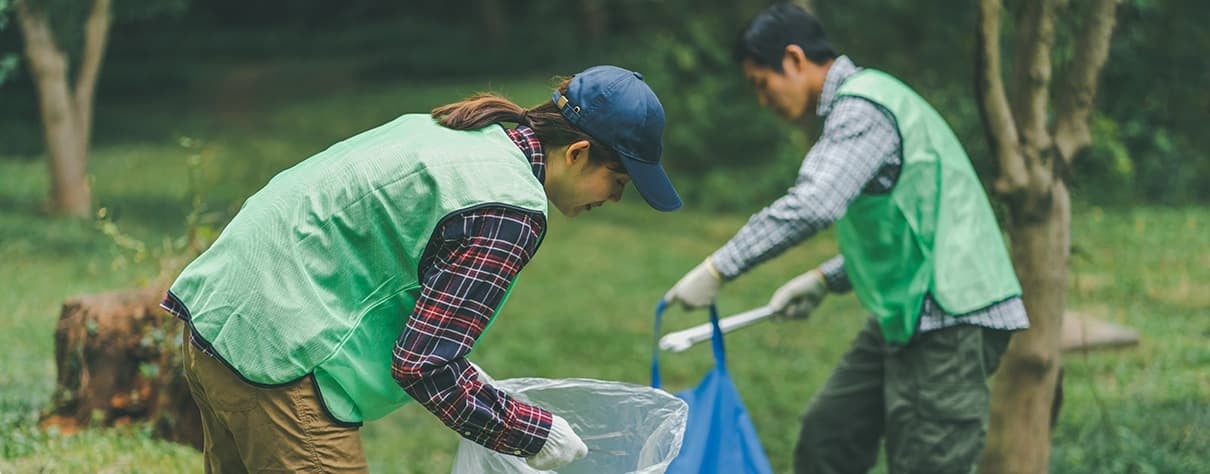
(1034, 152)
(596, 21)
(998, 122)
(66, 113)
(1034, 40)
(96, 36)
(1075, 100)
(117, 356)
(1024, 392)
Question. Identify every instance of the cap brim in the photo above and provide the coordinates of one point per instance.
(653, 184)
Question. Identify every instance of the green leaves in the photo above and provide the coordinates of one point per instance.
(8, 63)
(8, 59)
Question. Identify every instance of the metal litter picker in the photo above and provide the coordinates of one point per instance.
(684, 339)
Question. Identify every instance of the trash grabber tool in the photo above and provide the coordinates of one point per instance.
(680, 340)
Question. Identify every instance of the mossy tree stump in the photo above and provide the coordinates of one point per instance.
(119, 362)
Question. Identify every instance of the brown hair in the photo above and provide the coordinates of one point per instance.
(551, 128)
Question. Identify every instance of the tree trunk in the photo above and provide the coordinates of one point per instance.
(1025, 391)
(118, 361)
(493, 24)
(596, 21)
(66, 114)
(96, 36)
(1035, 148)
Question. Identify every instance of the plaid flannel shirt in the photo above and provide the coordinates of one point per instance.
(474, 257)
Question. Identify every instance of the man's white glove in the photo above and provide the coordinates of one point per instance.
(696, 289)
(562, 447)
(797, 298)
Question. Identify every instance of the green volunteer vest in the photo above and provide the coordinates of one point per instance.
(934, 233)
(317, 273)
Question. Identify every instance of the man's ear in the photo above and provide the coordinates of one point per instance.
(794, 57)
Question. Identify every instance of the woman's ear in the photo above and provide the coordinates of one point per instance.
(578, 152)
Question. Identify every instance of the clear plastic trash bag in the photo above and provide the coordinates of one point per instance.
(628, 428)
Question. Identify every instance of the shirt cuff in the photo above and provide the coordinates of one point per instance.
(525, 431)
(834, 274)
(725, 263)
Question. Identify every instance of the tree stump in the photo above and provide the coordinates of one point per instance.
(118, 356)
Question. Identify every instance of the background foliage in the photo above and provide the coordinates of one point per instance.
(1151, 106)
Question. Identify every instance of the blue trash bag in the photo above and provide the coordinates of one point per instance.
(719, 436)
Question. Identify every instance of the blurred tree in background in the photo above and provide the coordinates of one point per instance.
(1036, 104)
(55, 32)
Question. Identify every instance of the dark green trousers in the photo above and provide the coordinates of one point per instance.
(928, 399)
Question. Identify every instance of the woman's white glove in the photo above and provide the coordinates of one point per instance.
(696, 289)
(797, 298)
(562, 447)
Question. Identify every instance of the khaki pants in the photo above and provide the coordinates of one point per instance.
(928, 399)
(279, 429)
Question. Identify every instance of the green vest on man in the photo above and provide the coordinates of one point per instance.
(338, 257)
(933, 234)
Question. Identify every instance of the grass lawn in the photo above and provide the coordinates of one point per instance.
(583, 308)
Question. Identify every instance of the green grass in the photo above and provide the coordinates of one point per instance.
(583, 308)
(1145, 409)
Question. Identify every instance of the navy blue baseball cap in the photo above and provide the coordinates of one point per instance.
(615, 107)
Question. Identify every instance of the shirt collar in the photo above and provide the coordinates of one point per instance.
(842, 68)
(527, 141)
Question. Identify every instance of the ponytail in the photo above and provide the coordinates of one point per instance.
(549, 125)
(478, 111)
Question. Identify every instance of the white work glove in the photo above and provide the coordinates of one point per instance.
(797, 298)
(696, 289)
(562, 447)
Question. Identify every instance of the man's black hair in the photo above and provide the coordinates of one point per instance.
(765, 38)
